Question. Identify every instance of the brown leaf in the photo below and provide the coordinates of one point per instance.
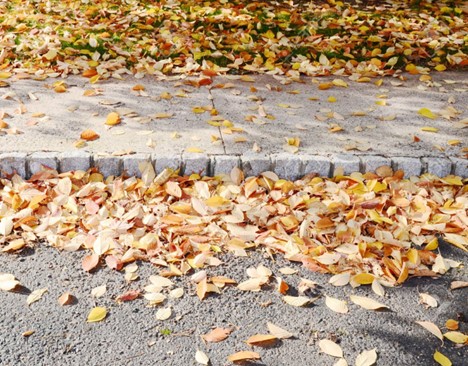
(202, 289)
(128, 296)
(217, 335)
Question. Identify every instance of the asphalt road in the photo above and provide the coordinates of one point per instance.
(131, 334)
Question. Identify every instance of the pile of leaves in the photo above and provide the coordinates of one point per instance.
(102, 39)
(362, 228)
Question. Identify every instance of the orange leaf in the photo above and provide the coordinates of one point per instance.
(90, 262)
(243, 356)
(89, 73)
(217, 335)
(89, 135)
(113, 119)
(261, 340)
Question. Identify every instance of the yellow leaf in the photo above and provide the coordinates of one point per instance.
(367, 303)
(94, 79)
(194, 150)
(215, 201)
(440, 67)
(456, 337)
(162, 115)
(331, 99)
(113, 119)
(363, 278)
(198, 110)
(426, 112)
(339, 82)
(429, 129)
(381, 102)
(247, 78)
(5, 75)
(454, 142)
(97, 314)
(453, 180)
(442, 359)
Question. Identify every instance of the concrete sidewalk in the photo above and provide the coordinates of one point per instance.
(238, 121)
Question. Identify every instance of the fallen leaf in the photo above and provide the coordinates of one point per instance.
(431, 327)
(113, 119)
(261, 340)
(244, 356)
(66, 299)
(458, 284)
(202, 358)
(98, 291)
(336, 305)
(164, 313)
(90, 262)
(456, 337)
(366, 358)
(442, 359)
(451, 324)
(36, 295)
(278, 332)
(128, 296)
(296, 300)
(429, 129)
(427, 299)
(89, 135)
(217, 335)
(28, 333)
(330, 348)
(426, 112)
(367, 303)
(97, 314)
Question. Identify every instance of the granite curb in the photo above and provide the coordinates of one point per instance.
(288, 166)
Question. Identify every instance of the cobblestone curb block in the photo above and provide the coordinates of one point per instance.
(108, 165)
(195, 163)
(253, 165)
(371, 163)
(74, 160)
(317, 164)
(130, 164)
(460, 167)
(438, 166)
(411, 166)
(223, 164)
(349, 163)
(13, 162)
(162, 162)
(287, 166)
(38, 160)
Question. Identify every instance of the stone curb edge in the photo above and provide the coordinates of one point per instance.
(286, 165)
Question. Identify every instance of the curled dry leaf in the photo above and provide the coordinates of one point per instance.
(367, 303)
(66, 299)
(428, 300)
(113, 119)
(97, 314)
(8, 282)
(128, 296)
(202, 358)
(330, 348)
(28, 333)
(261, 340)
(278, 332)
(164, 313)
(296, 300)
(243, 356)
(89, 135)
(366, 358)
(36, 295)
(217, 335)
(98, 291)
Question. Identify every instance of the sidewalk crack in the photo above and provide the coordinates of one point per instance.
(219, 127)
